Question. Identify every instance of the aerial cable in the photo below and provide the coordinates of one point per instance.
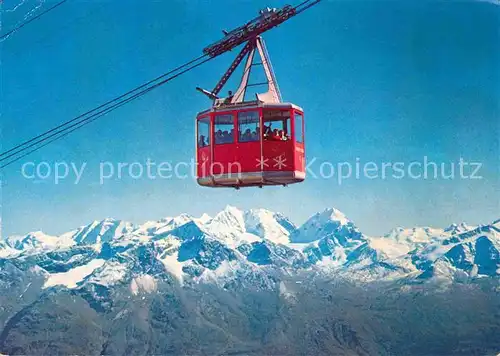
(15, 7)
(74, 124)
(40, 138)
(17, 28)
(79, 124)
(304, 5)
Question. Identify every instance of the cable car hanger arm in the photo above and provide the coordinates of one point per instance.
(214, 93)
(267, 19)
(251, 34)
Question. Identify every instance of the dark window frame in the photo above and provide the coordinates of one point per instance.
(233, 138)
(204, 120)
(285, 117)
(298, 117)
(256, 118)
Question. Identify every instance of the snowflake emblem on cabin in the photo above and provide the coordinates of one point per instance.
(279, 161)
(262, 162)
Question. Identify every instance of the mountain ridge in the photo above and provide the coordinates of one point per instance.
(240, 283)
(187, 247)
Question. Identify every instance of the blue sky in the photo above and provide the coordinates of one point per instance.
(381, 81)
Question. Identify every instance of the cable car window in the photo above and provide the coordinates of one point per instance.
(204, 132)
(299, 134)
(276, 125)
(248, 126)
(224, 129)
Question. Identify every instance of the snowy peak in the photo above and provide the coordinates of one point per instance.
(234, 226)
(457, 228)
(489, 230)
(332, 214)
(102, 231)
(230, 217)
(28, 241)
(251, 244)
(480, 256)
(168, 224)
(36, 240)
(5, 250)
(388, 248)
(417, 235)
(162, 226)
(427, 234)
(268, 225)
(270, 253)
(204, 218)
(285, 222)
(473, 252)
(189, 230)
(228, 225)
(329, 223)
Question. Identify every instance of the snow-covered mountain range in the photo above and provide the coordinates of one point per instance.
(237, 247)
(252, 283)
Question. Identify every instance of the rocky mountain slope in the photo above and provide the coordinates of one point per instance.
(250, 281)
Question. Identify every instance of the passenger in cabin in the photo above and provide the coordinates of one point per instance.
(276, 135)
(247, 136)
(218, 137)
(229, 97)
(284, 136)
(254, 136)
(202, 142)
(266, 131)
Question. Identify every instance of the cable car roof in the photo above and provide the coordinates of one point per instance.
(250, 105)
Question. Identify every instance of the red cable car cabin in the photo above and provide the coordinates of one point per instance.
(254, 144)
(249, 143)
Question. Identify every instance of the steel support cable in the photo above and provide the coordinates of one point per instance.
(305, 5)
(63, 129)
(17, 28)
(66, 131)
(40, 138)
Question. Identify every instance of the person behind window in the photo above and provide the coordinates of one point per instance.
(255, 134)
(218, 136)
(225, 137)
(266, 132)
(202, 142)
(276, 135)
(247, 135)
